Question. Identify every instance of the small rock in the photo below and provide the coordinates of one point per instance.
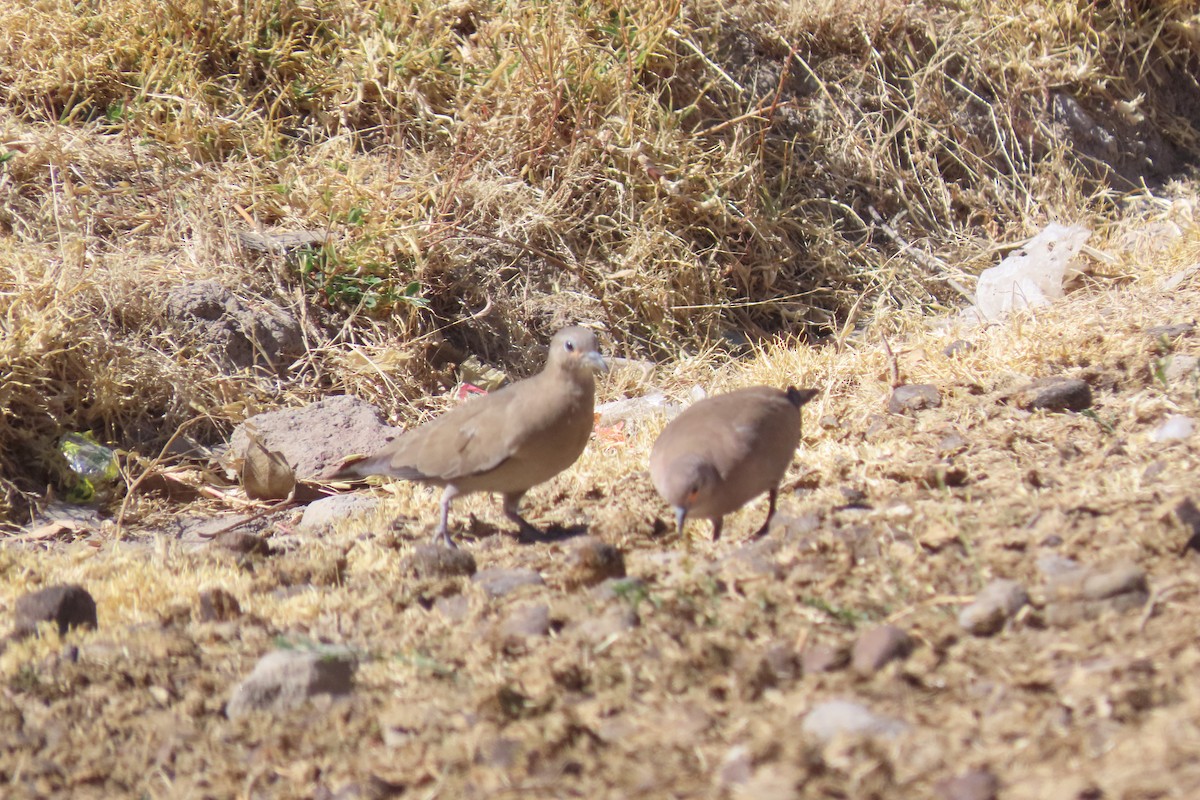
(974, 784)
(1180, 367)
(914, 397)
(1122, 579)
(500, 752)
(436, 561)
(372, 788)
(829, 422)
(1189, 517)
(736, 767)
(1171, 331)
(284, 679)
(525, 622)
(1055, 394)
(218, 605)
(321, 515)
(877, 647)
(498, 582)
(242, 543)
(994, 605)
(1085, 593)
(958, 347)
(826, 720)
(68, 606)
(1151, 473)
(591, 561)
(1175, 428)
(820, 658)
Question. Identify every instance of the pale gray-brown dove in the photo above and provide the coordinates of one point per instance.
(506, 441)
(726, 450)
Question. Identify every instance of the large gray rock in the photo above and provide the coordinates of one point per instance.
(284, 679)
(235, 333)
(316, 437)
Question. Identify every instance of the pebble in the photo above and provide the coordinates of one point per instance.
(498, 582)
(736, 767)
(1170, 331)
(591, 561)
(1055, 394)
(974, 784)
(914, 397)
(284, 679)
(67, 605)
(436, 561)
(993, 606)
(877, 647)
(826, 720)
(1188, 515)
(1176, 427)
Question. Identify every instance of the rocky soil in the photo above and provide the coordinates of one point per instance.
(979, 585)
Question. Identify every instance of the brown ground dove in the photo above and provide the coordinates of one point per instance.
(726, 450)
(507, 441)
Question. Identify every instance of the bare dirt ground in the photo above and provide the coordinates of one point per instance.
(695, 677)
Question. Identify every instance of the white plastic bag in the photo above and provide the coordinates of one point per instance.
(1032, 276)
